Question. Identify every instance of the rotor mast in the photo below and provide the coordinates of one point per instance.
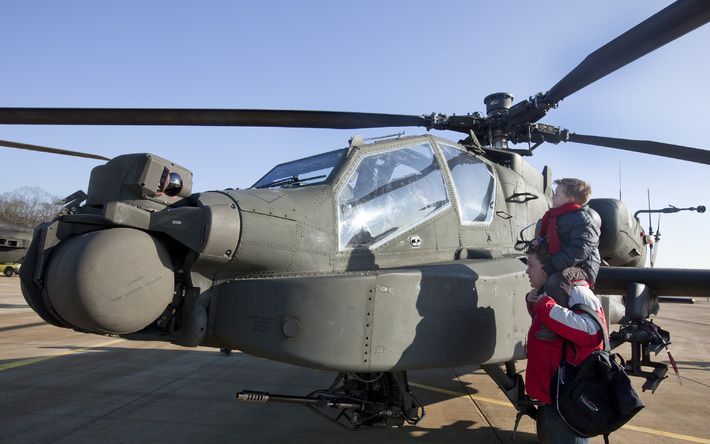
(497, 106)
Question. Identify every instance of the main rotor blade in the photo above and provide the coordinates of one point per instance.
(205, 117)
(44, 149)
(647, 147)
(665, 26)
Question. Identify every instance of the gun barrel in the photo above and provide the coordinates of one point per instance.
(264, 397)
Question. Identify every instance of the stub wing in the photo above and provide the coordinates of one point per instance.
(664, 281)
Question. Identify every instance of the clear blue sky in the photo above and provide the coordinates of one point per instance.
(409, 57)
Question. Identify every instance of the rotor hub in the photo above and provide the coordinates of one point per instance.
(498, 104)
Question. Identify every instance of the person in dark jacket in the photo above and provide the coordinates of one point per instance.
(553, 323)
(569, 231)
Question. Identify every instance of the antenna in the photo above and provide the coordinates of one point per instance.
(653, 245)
(656, 238)
(648, 196)
(650, 231)
(619, 180)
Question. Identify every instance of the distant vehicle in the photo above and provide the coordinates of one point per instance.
(10, 269)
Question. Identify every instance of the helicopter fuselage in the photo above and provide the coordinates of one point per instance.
(402, 257)
(14, 241)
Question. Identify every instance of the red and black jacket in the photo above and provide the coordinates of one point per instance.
(551, 323)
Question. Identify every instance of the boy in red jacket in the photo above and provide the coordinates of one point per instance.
(552, 324)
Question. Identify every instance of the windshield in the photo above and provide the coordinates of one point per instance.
(307, 171)
(474, 183)
(388, 193)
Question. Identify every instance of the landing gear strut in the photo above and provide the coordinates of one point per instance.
(512, 384)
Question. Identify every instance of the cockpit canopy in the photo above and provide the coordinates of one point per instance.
(387, 193)
(391, 190)
(307, 171)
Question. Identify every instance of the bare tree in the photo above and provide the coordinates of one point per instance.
(28, 206)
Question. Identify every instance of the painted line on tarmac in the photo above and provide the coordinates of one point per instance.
(667, 434)
(30, 361)
(508, 404)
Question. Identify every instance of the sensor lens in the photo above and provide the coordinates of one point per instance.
(174, 185)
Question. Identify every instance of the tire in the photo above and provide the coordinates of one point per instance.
(9, 271)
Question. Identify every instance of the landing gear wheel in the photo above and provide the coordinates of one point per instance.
(8, 271)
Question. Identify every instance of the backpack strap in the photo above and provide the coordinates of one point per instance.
(588, 310)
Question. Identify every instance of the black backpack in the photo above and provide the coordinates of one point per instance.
(596, 397)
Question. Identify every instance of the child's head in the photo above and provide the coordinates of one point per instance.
(537, 256)
(571, 190)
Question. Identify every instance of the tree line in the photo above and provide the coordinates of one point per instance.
(28, 206)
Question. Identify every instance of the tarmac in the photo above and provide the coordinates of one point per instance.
(60, 386)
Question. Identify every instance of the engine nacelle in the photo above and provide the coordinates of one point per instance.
(621, 242)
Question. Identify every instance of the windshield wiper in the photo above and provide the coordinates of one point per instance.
(290, 181)
(435, 205)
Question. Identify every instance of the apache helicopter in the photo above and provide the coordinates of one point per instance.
(370, 260)
(14, 240)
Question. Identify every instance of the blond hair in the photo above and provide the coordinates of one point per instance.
(577, 189)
